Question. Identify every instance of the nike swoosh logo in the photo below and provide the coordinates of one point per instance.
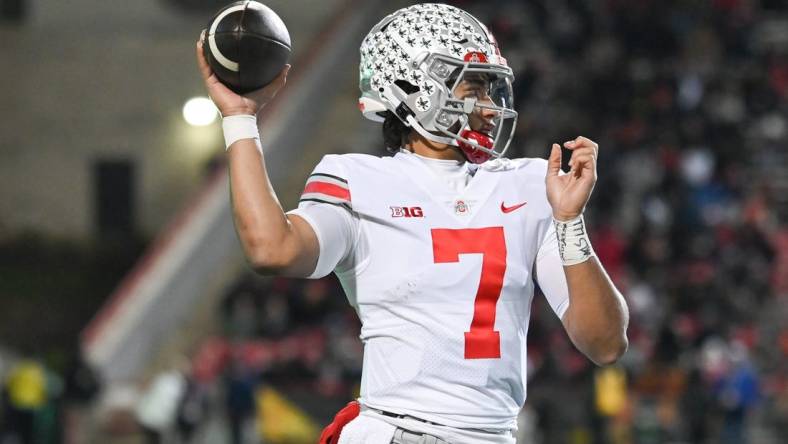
(506, 209)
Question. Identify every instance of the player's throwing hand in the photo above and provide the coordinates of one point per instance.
(569, 193)
(229, 102)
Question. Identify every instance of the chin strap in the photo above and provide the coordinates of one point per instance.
(474, 154)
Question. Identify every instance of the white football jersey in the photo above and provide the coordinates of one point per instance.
(442, 281)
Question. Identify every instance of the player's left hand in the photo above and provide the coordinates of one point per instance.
(569, 193)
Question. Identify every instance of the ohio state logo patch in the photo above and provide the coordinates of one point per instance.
(461, 208)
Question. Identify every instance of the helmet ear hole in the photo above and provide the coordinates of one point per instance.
(407, 87)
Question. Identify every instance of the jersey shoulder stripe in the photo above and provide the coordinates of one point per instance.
(326, 176)
(330, 181)
(326, 188)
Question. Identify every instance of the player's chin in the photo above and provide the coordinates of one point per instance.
(483, 131)
(487, 130)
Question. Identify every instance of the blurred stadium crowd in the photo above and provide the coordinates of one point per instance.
(688, 101)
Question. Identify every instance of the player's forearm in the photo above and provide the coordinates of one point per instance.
(597, 317)
(263, 228)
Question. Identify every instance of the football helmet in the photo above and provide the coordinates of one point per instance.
(414, 60)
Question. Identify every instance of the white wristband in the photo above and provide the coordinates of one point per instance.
(239, 127)
(573, 243)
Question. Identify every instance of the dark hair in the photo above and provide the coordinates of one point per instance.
(395, 132)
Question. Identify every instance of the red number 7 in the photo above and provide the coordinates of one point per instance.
(482, 341)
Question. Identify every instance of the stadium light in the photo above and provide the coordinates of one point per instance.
(199, 111)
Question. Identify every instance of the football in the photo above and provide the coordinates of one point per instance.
(247, 45)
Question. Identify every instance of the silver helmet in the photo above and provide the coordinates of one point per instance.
(412, 62)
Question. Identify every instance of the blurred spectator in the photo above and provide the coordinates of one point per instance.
(192, 410)
(737, 394)
(157, 408)
(81, 387)
(240, 385)
(24, 397)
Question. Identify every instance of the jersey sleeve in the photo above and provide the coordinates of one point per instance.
(327, 207)
(328, 184)
(549, 272)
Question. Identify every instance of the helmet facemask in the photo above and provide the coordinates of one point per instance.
(477, 113)
(464, 104)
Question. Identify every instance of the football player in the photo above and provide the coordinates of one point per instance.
(439, 246)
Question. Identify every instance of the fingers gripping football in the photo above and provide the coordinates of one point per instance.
(229, 102)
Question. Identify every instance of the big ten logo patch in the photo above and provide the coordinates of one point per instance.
(406, 212)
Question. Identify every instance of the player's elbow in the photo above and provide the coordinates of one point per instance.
(265, 257)
(267, 267)
(611, 352)
(290, 253)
